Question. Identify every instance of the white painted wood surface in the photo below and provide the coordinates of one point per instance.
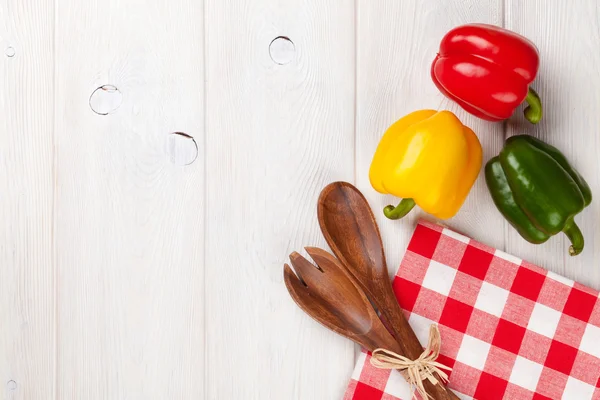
(275, 136)
(27, 268)
(394, 62)
(136, 264)
(129, 224)
(567, 35)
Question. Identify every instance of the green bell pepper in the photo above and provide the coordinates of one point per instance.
(537, 190)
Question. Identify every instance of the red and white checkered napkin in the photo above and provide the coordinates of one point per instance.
(510, 330)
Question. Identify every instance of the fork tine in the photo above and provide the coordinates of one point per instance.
(321, 258)
(296, 288)
(290, 273)
(290, 276)
(306, 271)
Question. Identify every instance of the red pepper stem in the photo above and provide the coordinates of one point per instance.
(400, 210)
(575, 236)
(533, 112)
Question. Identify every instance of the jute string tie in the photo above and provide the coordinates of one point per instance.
(416, 371)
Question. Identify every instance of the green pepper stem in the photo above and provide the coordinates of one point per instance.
(533, 112)
(575, 236)
(400, 210)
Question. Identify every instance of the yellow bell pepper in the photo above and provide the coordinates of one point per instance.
(429, 158)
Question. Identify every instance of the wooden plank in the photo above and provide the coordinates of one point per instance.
(278, 130)
(26, 187)
(566, 34)
(397, 42)
(129, 217)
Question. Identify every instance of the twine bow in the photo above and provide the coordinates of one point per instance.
(416, 371)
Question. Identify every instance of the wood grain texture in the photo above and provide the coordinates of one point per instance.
(396, 44)
(276, 135)
(26, 200)
(107, 290)
(567, 35)
(349, 227)
(129, 222)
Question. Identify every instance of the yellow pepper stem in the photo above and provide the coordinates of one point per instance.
(400, 210)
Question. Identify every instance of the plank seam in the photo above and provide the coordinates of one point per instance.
(205, 183)
(54, 263)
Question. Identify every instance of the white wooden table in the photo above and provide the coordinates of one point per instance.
(133, 268)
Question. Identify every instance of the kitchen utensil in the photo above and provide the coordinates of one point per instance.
(332, 297)
(351, 231)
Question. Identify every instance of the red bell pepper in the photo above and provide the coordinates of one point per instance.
(487, 71)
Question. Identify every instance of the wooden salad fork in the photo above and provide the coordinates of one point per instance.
(331, 296)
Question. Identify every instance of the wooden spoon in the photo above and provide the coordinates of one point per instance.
(351, 231)
(332, 297)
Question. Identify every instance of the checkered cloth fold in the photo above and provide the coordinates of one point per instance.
(510, 329)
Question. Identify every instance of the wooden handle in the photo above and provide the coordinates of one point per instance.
(408, 344)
